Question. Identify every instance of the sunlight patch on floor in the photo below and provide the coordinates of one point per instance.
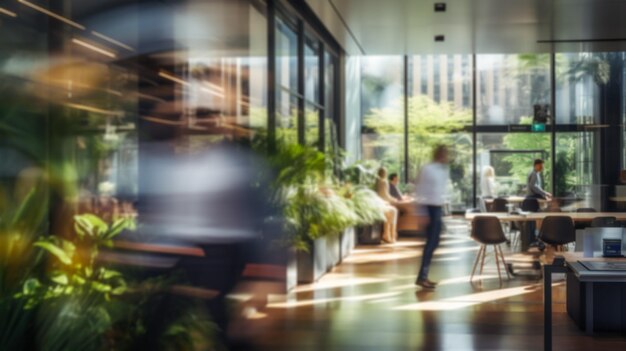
(470, 299)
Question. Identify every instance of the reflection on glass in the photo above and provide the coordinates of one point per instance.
(509, 85)
(580, 78)
(286, 81)
(574, 165)
(287, 119)
(311, 71)
(311, 125)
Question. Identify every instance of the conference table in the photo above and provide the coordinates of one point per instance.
(537, 217)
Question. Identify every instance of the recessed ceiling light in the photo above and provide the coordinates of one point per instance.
(440, 7)
(440, 37)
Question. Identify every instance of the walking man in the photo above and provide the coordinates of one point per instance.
(430, 194)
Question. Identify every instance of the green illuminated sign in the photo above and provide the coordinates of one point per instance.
(538, 127)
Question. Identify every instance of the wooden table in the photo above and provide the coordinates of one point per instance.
(539, 216)
(514, 199)
(584, 282)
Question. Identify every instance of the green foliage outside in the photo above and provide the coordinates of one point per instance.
(429, 124)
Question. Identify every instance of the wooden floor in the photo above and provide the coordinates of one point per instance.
(370, 302)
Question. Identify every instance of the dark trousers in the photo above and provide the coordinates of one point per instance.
(433, 233)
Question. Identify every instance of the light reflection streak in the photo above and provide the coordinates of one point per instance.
(378, 256)
(469, 300)
(95, 110)
(111, 40)
(7, 12)
(52, 14)
(94, 48)
(311, 302)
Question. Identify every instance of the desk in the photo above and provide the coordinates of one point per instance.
(582, 286)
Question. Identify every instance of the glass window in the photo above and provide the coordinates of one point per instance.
(382, 108)
(312, 124)
(510, 85)
(512, 155)
(330, 129)
(286, 81)
(311, 70)
(440, 119)
(574, 165)
(579, 79)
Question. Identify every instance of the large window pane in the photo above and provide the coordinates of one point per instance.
(579, 78)
(382, 108)
(576, 175)
(286, 81)
(511, 155)
(510, 85)
(439, 109)
(311, 70)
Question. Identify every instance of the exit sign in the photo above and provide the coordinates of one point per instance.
(538, 127)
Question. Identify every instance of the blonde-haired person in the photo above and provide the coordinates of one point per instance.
(390, 233)
(488, 182)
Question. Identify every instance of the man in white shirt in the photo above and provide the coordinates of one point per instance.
(430, 193)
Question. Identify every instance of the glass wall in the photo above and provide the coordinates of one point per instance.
(439, 111)
(437, 106)
(508, 86)
(287, 99)
(382, 108)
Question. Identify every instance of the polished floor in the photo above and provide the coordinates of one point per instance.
(370, 302)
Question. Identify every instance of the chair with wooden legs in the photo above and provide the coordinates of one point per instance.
(487, 230)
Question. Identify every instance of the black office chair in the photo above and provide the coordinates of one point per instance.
(557, 231)
(499, 205)
(600, 222)
(488, 231)
(530, 205)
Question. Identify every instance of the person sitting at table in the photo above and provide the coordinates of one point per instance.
(393, 188)
(390, 232)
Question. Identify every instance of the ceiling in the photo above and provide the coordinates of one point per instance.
(384, 27)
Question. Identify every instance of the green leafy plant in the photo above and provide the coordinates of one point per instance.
(21, 222)
(75, 270)
(72, 298)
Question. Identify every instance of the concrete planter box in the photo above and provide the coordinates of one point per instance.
(333, 251)
(312, 264)
(347, 242)
(323, 255)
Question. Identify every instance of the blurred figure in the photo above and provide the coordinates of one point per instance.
(212, 198)
(390, 233)
(430, 194)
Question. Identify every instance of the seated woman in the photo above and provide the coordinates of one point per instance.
(390, 233)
